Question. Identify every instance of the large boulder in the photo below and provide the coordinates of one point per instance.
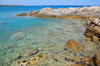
(72, 45)
(93, 29)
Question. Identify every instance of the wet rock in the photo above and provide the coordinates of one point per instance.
(94, 38)
(24, 14)
(72, 45)
(31, 61)
(97, 59)
(96, 46)
(18, 35)
(87, 39)
(29, 52)
(77, 64)
(18, 14)
(89, 53)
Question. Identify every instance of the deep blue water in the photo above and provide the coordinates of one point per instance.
(40, 30)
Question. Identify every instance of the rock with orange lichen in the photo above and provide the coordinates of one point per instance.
(72, 45)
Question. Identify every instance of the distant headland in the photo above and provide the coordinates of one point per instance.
(9, 5)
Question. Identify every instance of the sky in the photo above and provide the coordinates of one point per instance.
(49, 2)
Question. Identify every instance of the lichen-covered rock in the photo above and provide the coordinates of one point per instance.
(72, 45)
(18, 35)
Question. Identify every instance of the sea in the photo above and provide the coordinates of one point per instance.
(21, 33)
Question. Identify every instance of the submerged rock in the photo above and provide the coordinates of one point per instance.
(29, 52)
(72, 45)
(18, 35)
(97, 59)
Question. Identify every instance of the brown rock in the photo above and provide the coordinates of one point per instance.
(90, 31)
(95, 38)
(97, 59)
(87, 39)
(18, 14)
(77, 64)
(24, 14)
(89, 21)
(89, 34)
(93, 29)
(72, 45)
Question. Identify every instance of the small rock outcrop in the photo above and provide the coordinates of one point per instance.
(23, 14)
(93, 29)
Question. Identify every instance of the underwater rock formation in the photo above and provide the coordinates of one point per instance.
(93, 29)
(85, 12)
(97, 59)
(72, 45)
(18, 35)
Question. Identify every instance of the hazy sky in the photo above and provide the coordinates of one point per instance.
(49, 2)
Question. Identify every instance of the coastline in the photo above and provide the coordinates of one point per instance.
(10, 5)
(36, 39)
(83, 13)
(90, 13)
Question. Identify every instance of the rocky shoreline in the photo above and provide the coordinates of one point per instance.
(74, 53)
(85, 12)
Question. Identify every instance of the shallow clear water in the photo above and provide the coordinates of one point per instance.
(39, 32)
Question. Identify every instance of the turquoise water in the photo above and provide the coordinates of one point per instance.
(36, 32)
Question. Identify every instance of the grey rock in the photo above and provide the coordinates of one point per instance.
(93, 11)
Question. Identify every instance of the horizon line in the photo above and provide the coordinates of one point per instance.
(59, 5)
